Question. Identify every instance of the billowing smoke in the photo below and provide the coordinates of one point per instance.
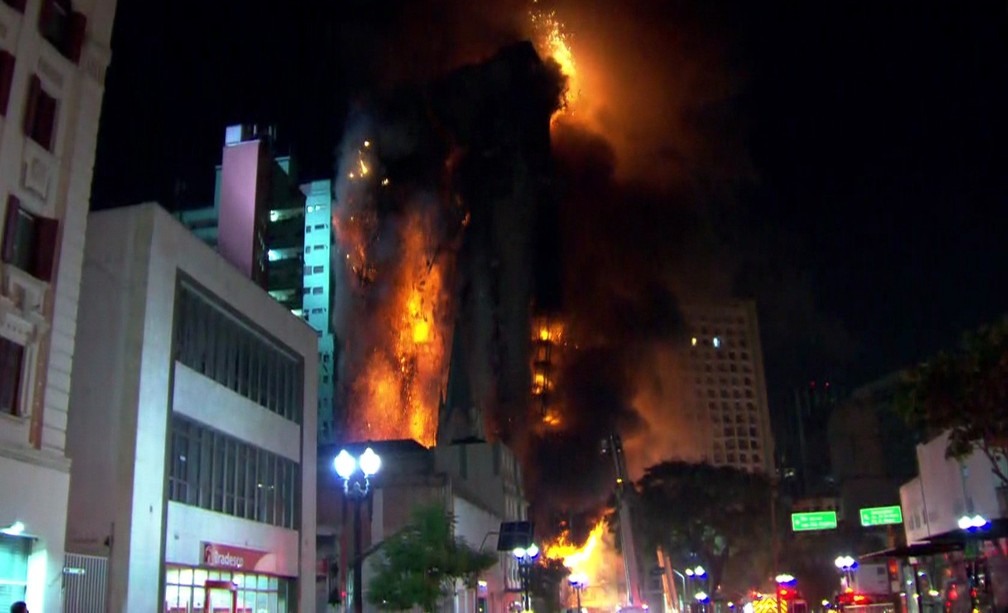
(620, 222)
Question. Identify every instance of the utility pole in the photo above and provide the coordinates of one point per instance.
(774, 543)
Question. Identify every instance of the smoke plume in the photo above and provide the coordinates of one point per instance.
(623, 224)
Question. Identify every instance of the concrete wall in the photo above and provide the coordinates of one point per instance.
(128, 383)
(946, 490)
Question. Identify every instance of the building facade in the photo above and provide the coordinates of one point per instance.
(193, 436)
(279, 234)
(53, 57)
(479, 483)
(726, 398)
(946, 489)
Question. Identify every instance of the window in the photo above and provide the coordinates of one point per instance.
(211, 470)
(11, 357)
(219, 346)
(316, 290)
(6, 77)
(40, 114)
(63, 27)
(317, 269)
(29, 241)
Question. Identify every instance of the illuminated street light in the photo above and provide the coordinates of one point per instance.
(784, 578)
(689, 572)
(845, 562)
(356, 474)
(699, 571)
(701, 596)
(525, 557)
(973, 523)
(578, 581)
(15, 529)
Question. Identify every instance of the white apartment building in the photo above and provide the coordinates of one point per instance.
(53, 56)
(947, 489)
(726, 403)
(193, 435)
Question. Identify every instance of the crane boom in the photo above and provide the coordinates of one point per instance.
(615, 448)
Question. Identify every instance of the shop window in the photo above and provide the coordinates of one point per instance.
(14, 552)
(63, 27)
(29, 241)
(40, 114)
(11, 358)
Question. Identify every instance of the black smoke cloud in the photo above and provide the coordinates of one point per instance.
(642, 212)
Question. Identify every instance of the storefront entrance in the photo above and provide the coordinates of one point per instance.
(203, 590)
(220, 597)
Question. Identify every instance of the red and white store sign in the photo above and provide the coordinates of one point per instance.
(216, 555)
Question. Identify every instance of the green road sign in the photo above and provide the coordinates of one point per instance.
(881, 516)
(817, 520)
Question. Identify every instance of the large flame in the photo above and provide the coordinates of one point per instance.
(396, 369)
(547, 343)
(553, 41)
(596, 563)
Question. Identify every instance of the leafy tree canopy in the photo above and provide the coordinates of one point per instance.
(717, 517)
(420, 564)
(964, 393)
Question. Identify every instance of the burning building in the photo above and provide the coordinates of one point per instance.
(438, 196)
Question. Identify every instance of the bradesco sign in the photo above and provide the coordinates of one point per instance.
(216, 555)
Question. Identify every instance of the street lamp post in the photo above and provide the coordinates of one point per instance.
(356, 474)
(578, 582)
(971, 553)
(846, 565)
(526, 557)
(682, 595)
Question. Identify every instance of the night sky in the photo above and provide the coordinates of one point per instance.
(867, 210)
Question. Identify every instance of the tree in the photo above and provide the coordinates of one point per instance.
(717, 517)
(964, 393)
(421, 564)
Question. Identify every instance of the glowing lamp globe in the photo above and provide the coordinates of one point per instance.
(370, 462)
(532, 551)
(518, 552)
(345, 464)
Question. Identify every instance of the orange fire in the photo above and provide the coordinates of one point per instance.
(596, 563)
(547, 345)
(401, 312)
(554, 42)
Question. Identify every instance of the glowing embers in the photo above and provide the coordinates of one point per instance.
(553, 41)
(596, 562)
(547, 342)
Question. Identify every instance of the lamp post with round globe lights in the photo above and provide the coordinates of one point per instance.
(356, 474)
(846, 565)
(526, 557)
(578, 582)
(972, 524)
